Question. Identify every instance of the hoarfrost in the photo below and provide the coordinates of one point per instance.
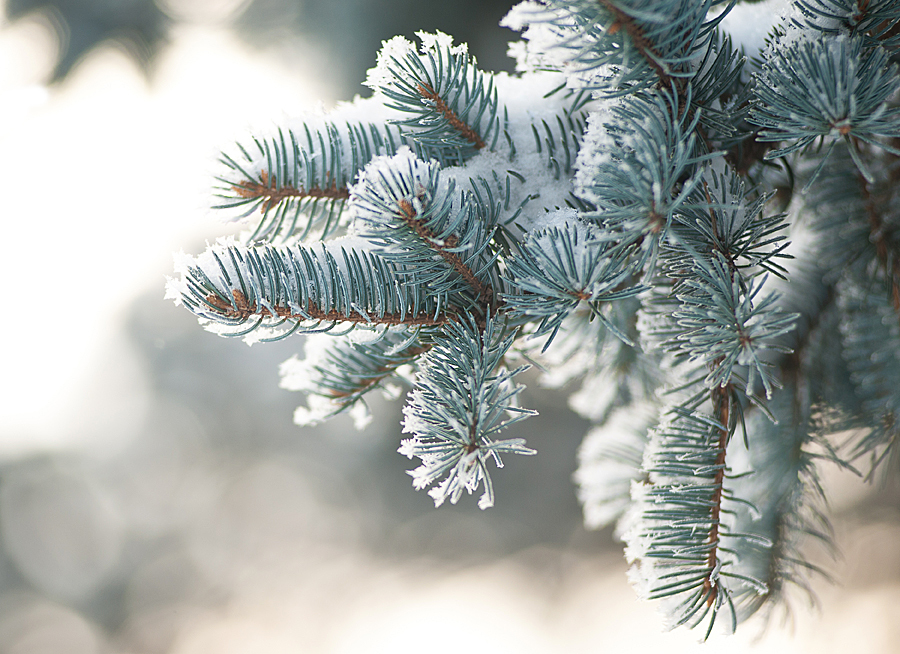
(360, 414)
(440, 40)
(317, 410)
(299, 374)
(394, 49)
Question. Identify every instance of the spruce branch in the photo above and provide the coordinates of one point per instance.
(463, 396)
(777, 476)
(722, 399)
(558, 269)
(674, 531)
(271, 193)
(829, 90)
(559, 141)
(648, 46)
(298, 180)
(373, 363)
(445, 250)
(837, 216)
(415, 215)
(716, 96)
(235, 286)
(623, 21)
(627, 223)
(875, 21)
(639, 170)
(623, 46)
(450, 117)
(871, 338)
(338, 372)
(718, 315)
(851, 211)
(785, 503)
(886, 249)
(450, 104)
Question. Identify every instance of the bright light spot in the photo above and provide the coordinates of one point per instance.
(203, 11)
(236, 636)
(109, 177)
(28, 51)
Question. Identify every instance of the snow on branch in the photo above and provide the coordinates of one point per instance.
(298, 179)
(674, 532)
(448, 101)
(406, 207)
(622, 214)
(874, 21)
(620, 46)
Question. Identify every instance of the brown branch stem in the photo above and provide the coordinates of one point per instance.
(622, 21)
(418, 226)
(242, 309)
(268, 188)
(450, 116)
(379, 374)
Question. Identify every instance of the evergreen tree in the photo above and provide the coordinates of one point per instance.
(706, 237)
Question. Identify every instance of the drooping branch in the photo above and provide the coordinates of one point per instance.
(463, 397)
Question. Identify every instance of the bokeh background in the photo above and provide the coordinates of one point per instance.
(155, 497)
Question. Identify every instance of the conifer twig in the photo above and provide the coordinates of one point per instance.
(444, 249)
(242, 309)
(378, 375)
(267, 189)
(621, 20)
(451, 117)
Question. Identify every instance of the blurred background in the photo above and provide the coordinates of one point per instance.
(155, 497)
